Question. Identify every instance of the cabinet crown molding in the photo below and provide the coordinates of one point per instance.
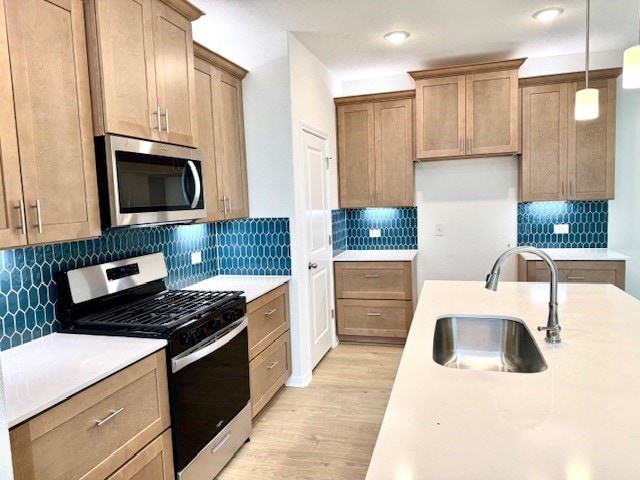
(375, 97)
(185, 8)
(570, 77)
(219, 61)
(513, 64)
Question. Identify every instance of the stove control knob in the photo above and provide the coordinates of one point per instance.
(188, 339)
(201, 333)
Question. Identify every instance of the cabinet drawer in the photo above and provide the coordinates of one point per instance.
(374, 318)
(377, 280)
(268, 372)
(96, 431)
(153, 462)
(612, 272)
(268, 319)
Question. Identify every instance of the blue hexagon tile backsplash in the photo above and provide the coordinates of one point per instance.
(28, 292)
(588, 224)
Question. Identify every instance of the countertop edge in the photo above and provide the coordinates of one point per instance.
(376, 256)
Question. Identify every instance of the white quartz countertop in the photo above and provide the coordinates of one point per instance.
(580, 254)
(376, 256)
(48, 370)
(579, 419)
(253, 286)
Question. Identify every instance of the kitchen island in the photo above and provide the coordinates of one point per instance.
(577, 420)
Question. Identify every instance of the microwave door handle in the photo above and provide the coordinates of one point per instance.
(197, 183)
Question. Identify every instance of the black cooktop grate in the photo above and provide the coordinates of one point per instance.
(161, 312)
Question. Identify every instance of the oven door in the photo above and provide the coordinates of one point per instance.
(210, 386)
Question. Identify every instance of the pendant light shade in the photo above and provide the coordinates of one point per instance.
(631, 65)
(587, 99)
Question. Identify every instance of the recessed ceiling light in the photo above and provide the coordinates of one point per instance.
(548, 14)
(397, 37)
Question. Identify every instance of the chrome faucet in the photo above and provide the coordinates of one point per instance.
(553, 327)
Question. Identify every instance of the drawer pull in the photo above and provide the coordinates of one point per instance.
(270, 312)
(113, 414)
(219, 445)
(371, 276)
(575, 278)
(374, 314)
(271, 367)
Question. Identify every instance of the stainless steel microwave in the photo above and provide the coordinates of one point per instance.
(142, 182)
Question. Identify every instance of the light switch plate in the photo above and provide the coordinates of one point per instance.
(561, 228)
(440, 230)
(196, 257)
(375, 233)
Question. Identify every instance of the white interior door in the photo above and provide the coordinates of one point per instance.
(318, 248)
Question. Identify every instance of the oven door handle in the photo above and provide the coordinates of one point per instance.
(208, 348)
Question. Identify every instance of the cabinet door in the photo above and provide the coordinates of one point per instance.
(53, 117)
(356, 155)
(153, 462)
(173, 49)
(230, 147)
(120, 39)
(11, 231)
(492, 114)
(207, 88)
(591, 166)
(544, 143)
(394, 153)
(440, 117)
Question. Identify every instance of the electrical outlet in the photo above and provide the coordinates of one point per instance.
(196, 257)
(561, 228)
(439, 229)
(375, 233)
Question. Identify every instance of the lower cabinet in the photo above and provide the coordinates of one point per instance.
(574, 271)
(269, 346)
(97, 431)
(374, 300)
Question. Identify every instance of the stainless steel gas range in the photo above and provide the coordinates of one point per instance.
(207, 350)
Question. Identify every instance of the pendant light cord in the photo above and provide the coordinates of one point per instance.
(586, 56)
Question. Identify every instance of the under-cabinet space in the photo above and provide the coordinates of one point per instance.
(468, 110)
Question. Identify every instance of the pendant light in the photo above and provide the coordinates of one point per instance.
(587, 99)
(631, 66)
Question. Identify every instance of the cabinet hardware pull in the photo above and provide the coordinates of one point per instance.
(374, 314)
(23, 218)
(224, 204)
(229, 198)
(113, 414)
(270, 367)
(575, 278)
(562, 189)
(571, 189)
(270, 312)
(166, 114)
(157, 114)
(38, 225)
(371, 276)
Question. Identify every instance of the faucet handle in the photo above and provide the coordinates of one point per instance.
(555, 329)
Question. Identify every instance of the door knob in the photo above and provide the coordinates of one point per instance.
(312, 265)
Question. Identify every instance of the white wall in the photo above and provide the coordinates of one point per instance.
(476, 201)
(313, 88)
(624, 211)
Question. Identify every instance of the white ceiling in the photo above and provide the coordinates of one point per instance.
(346, 35)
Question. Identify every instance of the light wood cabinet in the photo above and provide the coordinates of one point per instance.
(153, 462)
(565, 159)
(269, 346)
(221, 135)
(141, 59)
(95, 432)
(375, 150)
(573, 271)
(375, 300)
(48, 95)
(468, 110)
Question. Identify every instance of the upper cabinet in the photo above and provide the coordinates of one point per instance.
(468, 110)
(375, 150)
(565, 159)
(48, 192)
(221, 135)
(142, 74)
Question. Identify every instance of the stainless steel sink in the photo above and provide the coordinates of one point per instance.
(498, 344)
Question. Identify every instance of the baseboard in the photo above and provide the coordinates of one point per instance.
(300, 381)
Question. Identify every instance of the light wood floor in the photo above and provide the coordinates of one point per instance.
(326, 431)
